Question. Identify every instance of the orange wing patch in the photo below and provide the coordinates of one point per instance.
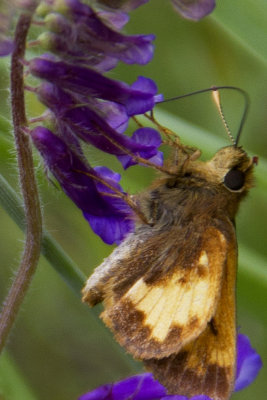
(207, 364)
(154, 320)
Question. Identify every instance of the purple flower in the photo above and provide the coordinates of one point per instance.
(248, 363)
(86, 123)
(110, 217)
(139, 387)
(78, 31)
(144, 387)
(86, 106)
(114, 223)
(194, 9)
(137, 99)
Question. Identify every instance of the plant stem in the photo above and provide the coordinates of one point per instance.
(29, 191)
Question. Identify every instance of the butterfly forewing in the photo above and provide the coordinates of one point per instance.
(159, 300)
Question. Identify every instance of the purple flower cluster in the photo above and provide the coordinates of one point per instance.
(144, 387)
(61, 29)
(82, 43)
(78, 32)
(85, 106)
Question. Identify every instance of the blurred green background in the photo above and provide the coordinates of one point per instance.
(58, 348)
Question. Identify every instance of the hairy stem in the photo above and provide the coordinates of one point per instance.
(29, 191)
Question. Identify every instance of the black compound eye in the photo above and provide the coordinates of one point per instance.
(234, 179)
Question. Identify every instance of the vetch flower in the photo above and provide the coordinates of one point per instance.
(194, 9)
(78, 31)
(248, 363)
(139, 387)
(84, 41)
(137, 99)
(86, 106)
(145, 387)
(109, 216)
(84, 122)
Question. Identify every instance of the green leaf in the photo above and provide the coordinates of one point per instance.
(12, 384)
(59, 260)
(245, 21)
(50, 249)
(253, 266)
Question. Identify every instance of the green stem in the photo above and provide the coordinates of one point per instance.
(29, 191)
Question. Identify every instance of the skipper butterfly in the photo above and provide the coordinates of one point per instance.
(169, 288)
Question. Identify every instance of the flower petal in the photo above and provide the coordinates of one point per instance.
(142, 86)
(114, 114)
(248, 363)
(138, 387)
(174, 397)
(6, 46)
(110, 217)
(111, 229)
(101, 393)
(92, 128)
(149, 139)
(137, 99)
(116, 19)
(90, 34)
(194, 9)
(178, 397)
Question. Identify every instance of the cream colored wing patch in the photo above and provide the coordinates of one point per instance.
(166, 306)
(157, 319)
(178, 302)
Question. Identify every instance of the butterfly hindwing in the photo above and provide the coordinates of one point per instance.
(207, 364)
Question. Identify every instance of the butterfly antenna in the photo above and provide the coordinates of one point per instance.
(217, 100)
(216, 89)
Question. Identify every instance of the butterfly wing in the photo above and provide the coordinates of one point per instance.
(159, 296)
(207, 364)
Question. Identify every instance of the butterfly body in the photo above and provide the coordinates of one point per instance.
(169, 288)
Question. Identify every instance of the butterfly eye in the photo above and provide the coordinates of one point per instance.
(234, 179)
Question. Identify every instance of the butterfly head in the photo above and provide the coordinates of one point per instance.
(232, 168)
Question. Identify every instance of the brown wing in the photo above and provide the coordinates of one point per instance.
(159, 293)
(206, 365)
